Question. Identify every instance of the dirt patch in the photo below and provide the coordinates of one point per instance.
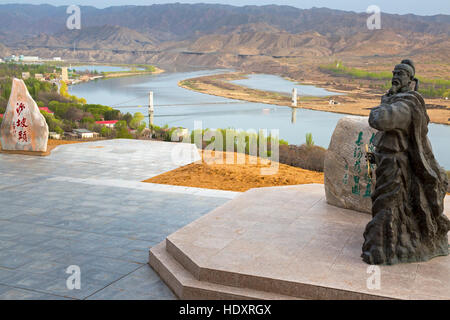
(235, 177)
(52, 144)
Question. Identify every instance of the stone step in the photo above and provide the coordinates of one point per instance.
(293, 290)
(186, 286)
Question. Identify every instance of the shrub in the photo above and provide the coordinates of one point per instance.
(448, 176)
(122, 130)
(309, 140)
(305, 157)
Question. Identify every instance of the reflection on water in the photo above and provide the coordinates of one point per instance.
(176, 106)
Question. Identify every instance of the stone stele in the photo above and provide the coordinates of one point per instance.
(347, 182)
(23, 127)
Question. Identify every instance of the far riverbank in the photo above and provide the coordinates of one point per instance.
(352, 102)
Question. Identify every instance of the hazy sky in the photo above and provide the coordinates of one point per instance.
(421, 7)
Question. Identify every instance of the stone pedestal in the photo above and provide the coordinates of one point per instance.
(347, 182)
(23, 127)
(287, 243)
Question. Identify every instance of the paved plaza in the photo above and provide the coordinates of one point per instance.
(84, 205)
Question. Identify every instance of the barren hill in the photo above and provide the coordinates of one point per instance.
(257, 38)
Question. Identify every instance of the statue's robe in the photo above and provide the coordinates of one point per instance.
(408, 222)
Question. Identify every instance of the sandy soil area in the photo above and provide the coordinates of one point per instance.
(235, 177)
(129, 74)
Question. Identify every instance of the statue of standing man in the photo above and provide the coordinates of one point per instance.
(408, 222)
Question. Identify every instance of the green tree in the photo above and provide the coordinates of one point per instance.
(122, 130)
(137, 120)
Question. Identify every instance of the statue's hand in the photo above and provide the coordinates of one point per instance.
(370, 157)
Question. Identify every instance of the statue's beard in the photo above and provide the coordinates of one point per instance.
(396, 85)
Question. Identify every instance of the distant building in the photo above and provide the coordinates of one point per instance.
(12, 58)
(54, 135)
(70, 135)
(46, 110)
(84, 133)
(64, 74)
(28, 58)
(25, 75)
(57, 59)
(109, 124)
(39, 76)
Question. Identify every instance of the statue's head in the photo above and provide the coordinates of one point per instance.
(403, 74)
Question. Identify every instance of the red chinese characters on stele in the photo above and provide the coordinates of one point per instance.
(20, 123)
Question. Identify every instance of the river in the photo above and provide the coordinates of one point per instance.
(176, 106)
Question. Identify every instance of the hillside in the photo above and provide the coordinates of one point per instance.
(275, 39)
(99, 37)
(170, 22)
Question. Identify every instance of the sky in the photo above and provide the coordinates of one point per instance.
(420, 7)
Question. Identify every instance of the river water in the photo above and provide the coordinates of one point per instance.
(176, 106)
(268, 82)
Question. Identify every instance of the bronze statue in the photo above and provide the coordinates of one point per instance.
(408, 222)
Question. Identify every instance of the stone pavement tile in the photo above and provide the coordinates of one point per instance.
(10, 293)
(5, 244)
(138, 256)
(32, 239)
(3, 289)
(28, 280)
(43, 267)
(59, 287)
(11, 260)
(23, 249)
(6, 274)
(142, 284)
(111, 252)
(160, 291)
(113, 265)
(110, 293)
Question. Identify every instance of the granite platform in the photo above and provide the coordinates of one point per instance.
(287, 243)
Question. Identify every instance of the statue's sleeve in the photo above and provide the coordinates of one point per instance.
(394, 116)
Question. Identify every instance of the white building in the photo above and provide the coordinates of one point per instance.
(54, 135)
(12, 58)
(84, 133)
(28, 58)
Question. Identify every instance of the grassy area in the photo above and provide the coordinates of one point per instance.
(134, 68)
(430, 88)
(339, 68)
(189, 84)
